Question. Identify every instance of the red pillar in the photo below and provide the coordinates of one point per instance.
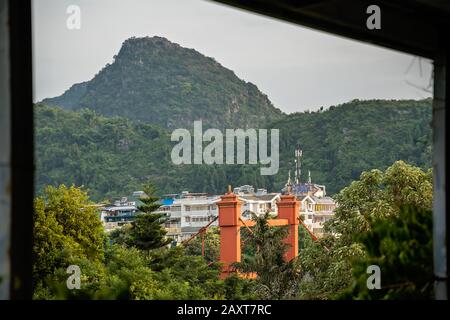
(288, 208)
(230, 237)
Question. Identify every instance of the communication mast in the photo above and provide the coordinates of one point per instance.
(298, 171)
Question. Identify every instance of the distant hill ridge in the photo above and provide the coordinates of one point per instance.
(114, 133)
(159, 82)
(112, 156)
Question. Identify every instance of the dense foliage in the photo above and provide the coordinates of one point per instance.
(66, 227)
(343, 141)
(402, 247)
(109, 156)
(366, 207)
(160, 82)
(212, 245)
(275, 278)
(68, 232)
(145, 232)
(114, 156)
(383, 219)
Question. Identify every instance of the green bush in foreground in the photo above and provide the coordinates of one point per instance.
(403, 249)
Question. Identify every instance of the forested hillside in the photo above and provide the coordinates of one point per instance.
(112, 156)
(154, 80)
(343, 141)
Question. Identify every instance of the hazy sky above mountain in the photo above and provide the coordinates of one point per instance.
(298, 68)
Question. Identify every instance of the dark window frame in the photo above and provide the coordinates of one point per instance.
(22, 122)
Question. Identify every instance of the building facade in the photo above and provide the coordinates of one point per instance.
(187, 213)
(121, 212)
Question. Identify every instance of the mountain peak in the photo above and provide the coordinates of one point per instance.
(153, 41)
(155, 80)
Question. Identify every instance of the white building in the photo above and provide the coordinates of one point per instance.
(121, 212)
(188, 212)
(315, 211)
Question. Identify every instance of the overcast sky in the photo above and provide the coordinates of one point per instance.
(298, 68)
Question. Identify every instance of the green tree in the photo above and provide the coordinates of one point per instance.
(66, 226)
(68, 232)
(126, 268)
(275, 278)
(112, 279)
(403, 249)
(146, 231)
(239, 288)
(212, 245)
(149, 199)
(196, 278)
(380, 194)
(377, 195)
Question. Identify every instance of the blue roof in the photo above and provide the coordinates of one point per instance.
(167, 201)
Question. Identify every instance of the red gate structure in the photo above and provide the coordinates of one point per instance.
(230, 223)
